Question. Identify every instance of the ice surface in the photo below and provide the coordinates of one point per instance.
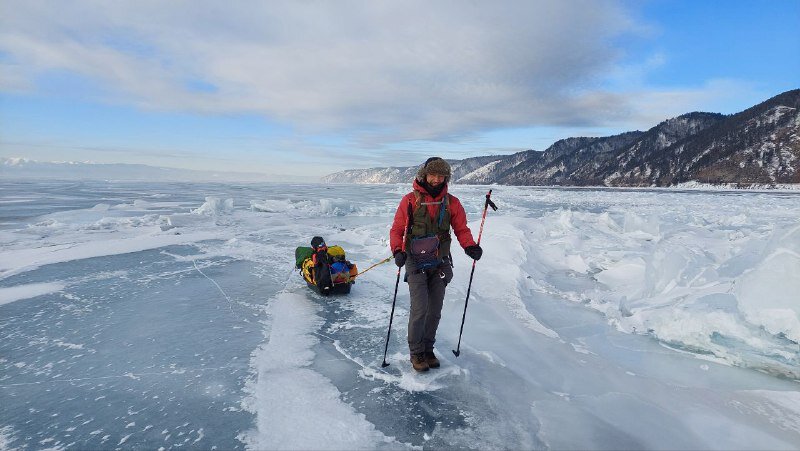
(288, 414)
(215, 206)
(169, 315)
(15, 293)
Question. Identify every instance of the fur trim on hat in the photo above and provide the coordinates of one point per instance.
(434, 165)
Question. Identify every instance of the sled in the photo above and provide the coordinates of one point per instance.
(326, 270)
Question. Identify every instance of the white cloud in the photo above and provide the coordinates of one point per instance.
(726, 96)
(381, 73)
(403, 70)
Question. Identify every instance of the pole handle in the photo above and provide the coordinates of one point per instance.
(489, 201)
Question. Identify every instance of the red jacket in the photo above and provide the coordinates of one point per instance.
(458, 217)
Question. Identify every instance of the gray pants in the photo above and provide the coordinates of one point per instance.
(427, 297)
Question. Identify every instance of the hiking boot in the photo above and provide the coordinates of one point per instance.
(419, 363)
(431, 359)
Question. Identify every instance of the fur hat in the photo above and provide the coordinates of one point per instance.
(434, 165)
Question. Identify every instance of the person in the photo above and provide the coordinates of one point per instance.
(425, 217)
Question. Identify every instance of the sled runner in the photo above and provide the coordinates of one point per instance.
(325, 269)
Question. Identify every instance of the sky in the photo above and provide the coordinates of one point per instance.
(306, 88)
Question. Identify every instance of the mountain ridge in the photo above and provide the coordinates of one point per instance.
(757, 146)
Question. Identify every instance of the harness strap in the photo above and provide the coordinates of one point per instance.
(442, 208)
(445, 261)
(443, 204)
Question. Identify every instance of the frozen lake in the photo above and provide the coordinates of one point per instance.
(136, 315)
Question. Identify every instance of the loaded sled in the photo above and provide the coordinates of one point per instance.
(325, 269)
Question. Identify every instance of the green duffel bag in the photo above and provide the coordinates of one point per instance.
(301, 254)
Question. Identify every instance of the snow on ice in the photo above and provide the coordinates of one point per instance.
(169, 315)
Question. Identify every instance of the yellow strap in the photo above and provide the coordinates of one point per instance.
(385, 260)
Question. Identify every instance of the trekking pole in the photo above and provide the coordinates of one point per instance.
(385, 260)
(396, 284)
(486, 206)
(391, 317)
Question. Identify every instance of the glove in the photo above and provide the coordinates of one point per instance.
(399, 258)
(474, 252)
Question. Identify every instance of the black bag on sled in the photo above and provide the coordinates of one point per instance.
(325, 269)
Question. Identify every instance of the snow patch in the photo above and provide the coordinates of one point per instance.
(19, 292)
(296, 407)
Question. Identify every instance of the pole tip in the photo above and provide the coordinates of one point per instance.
(456, 353)
(384, 364)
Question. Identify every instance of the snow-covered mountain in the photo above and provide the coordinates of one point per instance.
(468, 169)
(26, 168)
(758, 146)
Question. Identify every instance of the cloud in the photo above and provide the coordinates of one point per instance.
(653, 105)
(410, 70)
